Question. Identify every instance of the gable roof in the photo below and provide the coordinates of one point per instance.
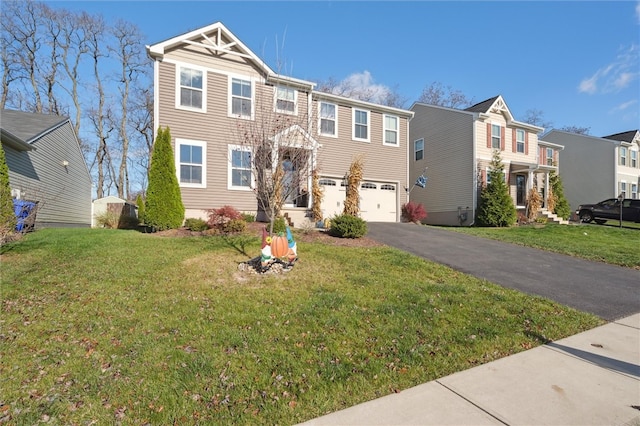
(217, 39)
(629, 136)
(483, 106)
(19, 129)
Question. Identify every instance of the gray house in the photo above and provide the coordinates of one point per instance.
(46, 166)
(598, 167)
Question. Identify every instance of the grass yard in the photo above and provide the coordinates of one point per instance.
(112, 326)
(603, 243)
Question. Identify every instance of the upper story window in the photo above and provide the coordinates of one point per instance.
(328, 119)
(241, 98)
(623, 156)
(191, 86)
(418, 149)
(496, 136)
(286, 100)
(634, 159)
(391, 125)
(520, 141)
(239, 173)
(361, 125)
(190, 163)
(549, 156)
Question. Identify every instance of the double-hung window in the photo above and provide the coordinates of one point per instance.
(520, 141)
(634, 159)
(239, 176)
(286, 98)
(623, 156)
(623, 189)
(361, 125)
(418, 149)
(190, 163)
(191, 87)
(391, 124)
(549, 156)
(496, 136)
(241, 98)
(634, 191)
(328, 119)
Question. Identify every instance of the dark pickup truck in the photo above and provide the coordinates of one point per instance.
(610, 210)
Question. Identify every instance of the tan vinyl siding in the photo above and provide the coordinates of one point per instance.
(448, 141)
(63, 193)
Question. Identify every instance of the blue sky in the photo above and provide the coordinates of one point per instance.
(576, 61)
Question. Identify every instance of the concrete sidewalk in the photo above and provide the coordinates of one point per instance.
(592, 378)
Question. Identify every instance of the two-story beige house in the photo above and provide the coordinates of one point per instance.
(598, 167)
(454, 148)
(216, 96)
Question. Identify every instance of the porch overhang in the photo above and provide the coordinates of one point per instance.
(523, 167)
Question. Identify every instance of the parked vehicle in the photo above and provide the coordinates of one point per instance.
(610, 210)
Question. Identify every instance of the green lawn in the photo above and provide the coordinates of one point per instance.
(604, 243)
(112, 326)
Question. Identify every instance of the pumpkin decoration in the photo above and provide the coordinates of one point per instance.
(279, 246)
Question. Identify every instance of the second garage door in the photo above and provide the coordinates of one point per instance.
(378, 200)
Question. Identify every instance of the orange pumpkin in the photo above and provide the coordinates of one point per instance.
(279, 246)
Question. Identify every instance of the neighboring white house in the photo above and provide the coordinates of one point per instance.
(597, 168)
(46, 166)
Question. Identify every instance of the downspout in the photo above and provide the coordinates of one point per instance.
(474, 181)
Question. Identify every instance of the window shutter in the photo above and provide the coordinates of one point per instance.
(502, 135)
(513, 140)
(543, 155)
(526, 143)
(488, 135)
(555, 157)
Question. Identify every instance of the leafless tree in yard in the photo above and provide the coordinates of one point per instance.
(437, 94)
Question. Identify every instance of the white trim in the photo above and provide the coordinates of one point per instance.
(178, 163)
(230, 186)
(353, 124)
(335, 119)
(415, 151)
(384, 130)
(252, 81)
(179, 66)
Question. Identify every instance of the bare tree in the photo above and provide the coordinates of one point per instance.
(437, 94)
(353, 89)
(54, 26)
(536, 118)
(576, 129)
(278, 148)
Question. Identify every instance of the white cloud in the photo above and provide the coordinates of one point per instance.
(362, 86)
(638, 11)
(625, 105)
(615, 76)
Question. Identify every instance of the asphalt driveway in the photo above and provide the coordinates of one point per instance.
(611, 292)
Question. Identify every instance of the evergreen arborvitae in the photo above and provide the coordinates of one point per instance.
(496, 205)
(7, 212)
(140, 203)
(163, 207)
(562, 207)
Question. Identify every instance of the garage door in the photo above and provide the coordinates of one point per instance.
(377, 199)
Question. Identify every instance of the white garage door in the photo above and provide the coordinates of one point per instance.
(377, 199)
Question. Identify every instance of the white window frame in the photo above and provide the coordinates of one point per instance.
(549, 158)
(249, 80)
(520, 142)
(368, 125)
(179, 163)
(494, 137)
(634, 191)
(415, 150)
(230, 169)
(386, 129)
(623, 188)
(179, 68)
(623, 155)
(334, 119)
(634, 159)
(277, 98)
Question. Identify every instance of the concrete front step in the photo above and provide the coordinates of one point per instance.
(553, 217)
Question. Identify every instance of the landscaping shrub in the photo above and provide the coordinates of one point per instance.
(248, 217)
(413, 212)
(7, 213)
(496, 205)
(219, 217)
(140, 203)
(163, 208)
(561, 204)
(234, 226)
(279, 225)
(347, 226)
(195, 224)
